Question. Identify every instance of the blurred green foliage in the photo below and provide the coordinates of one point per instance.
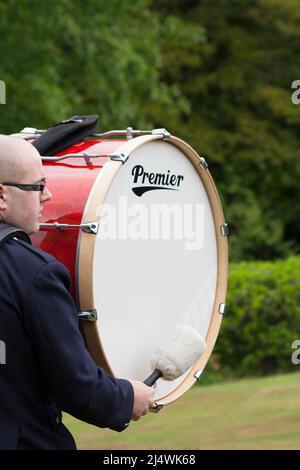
(261, 322)
(217, 74)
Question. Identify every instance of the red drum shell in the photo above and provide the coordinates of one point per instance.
(70, 189)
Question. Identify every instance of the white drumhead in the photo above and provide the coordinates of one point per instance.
(155, 259)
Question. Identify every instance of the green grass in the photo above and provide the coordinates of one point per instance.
(259, 413)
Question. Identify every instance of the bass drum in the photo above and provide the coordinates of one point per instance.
(140, 227)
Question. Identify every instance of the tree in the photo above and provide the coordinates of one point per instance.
(240, 116)
(67, 57)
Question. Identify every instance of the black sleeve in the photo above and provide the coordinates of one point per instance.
(75, 382)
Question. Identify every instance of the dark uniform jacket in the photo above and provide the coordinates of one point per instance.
(44, 364)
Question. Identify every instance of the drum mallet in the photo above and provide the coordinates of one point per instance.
(176, 355)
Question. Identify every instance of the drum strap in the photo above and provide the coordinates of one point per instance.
(65, 133)
(8, 231)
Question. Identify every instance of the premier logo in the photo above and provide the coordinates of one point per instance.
(154, 181)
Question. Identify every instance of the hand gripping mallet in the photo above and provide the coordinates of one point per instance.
(176, 355)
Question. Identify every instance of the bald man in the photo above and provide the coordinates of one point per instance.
(47, 368)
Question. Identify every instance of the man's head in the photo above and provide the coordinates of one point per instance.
(20, 163)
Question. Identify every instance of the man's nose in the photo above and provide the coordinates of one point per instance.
(46, 195)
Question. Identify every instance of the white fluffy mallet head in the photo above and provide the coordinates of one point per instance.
(178, 354)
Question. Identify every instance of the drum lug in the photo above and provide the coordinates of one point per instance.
(224, 230)
(222, 308)
(89, 315)
(156, 407)
(119, 157)
(31, 130)
(87, 158)
(198, 374)
(129, 133)
(166, 134)
(203, 163)
(90, 227)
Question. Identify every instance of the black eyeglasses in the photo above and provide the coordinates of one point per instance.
(29, 187)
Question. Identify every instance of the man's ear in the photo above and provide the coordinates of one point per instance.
(3, 199)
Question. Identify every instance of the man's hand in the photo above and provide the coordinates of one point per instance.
(143, 399)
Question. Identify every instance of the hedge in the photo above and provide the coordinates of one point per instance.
(261, 322)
